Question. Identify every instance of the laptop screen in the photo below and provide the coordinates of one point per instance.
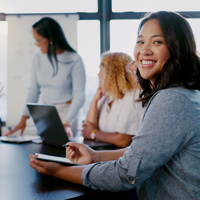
(48, 124)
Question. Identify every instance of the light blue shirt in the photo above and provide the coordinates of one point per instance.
(164, 157)
(67, 85)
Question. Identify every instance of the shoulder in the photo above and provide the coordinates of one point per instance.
(75, 59)
(174, 100)
(131, 96)
(175, 93)
(74, 56)
(129, 104)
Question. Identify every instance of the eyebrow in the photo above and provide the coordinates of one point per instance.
(153, 36)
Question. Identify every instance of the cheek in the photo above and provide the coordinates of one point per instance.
(100, 75)
(167, 57)
(46, 46)
(164, 56)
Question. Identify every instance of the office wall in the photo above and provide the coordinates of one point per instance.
(20, 52)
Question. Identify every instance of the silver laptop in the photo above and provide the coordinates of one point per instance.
(51, 129)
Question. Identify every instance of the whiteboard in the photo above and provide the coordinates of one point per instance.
(21, 49)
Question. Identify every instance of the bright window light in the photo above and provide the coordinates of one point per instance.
(89, 49)
(154, 5)
(48, 6)
(125, 39)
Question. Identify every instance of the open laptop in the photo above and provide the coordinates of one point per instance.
(51, 129)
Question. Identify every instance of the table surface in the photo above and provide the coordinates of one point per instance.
(20, 182)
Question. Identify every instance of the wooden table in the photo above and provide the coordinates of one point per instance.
(20, 182)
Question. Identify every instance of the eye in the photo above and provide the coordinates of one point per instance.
(102, 64)
(158, 42)
(139, 42)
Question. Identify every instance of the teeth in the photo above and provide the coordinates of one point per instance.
(147, 62)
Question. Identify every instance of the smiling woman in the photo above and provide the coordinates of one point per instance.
(164, 157)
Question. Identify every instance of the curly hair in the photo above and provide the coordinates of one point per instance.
(183, 67)
(116, 80)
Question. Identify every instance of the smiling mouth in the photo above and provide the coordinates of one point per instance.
(145, 62)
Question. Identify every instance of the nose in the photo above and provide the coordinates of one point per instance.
(146, 50)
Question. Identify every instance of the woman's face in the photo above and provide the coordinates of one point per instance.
(101, 74)
(151, 52)
(41, 42)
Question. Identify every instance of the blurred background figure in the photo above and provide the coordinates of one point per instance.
(113, 115)
(58, 73)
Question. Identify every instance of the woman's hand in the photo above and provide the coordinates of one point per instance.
(99, 94)
(47, 168)
(80, 153)
(87, 129)
(21, 125)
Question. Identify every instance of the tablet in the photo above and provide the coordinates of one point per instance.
(57, 159)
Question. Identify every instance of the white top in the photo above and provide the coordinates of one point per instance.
(67, 85)
(124, 116)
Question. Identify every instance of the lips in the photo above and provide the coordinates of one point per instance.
(147, 63)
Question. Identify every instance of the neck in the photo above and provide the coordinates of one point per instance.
(59, 51)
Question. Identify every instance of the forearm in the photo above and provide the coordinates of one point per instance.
(108, 155)
(118, 139)
(24, 117)
(92, 115)
(71, 174)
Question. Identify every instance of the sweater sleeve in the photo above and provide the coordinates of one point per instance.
(34, 87)
(78, 84)
(161, 135)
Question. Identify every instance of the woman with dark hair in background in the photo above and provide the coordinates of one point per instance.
(163, 159)
(58, 73)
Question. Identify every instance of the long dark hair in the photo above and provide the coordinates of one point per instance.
(183, 67)
(51, 29)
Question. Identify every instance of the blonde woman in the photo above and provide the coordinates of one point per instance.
(113, 116)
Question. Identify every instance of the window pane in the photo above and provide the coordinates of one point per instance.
(48, 6)
(196, 30)
(89, 49)
(3, 68)
(123, 40)
(154, 5)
